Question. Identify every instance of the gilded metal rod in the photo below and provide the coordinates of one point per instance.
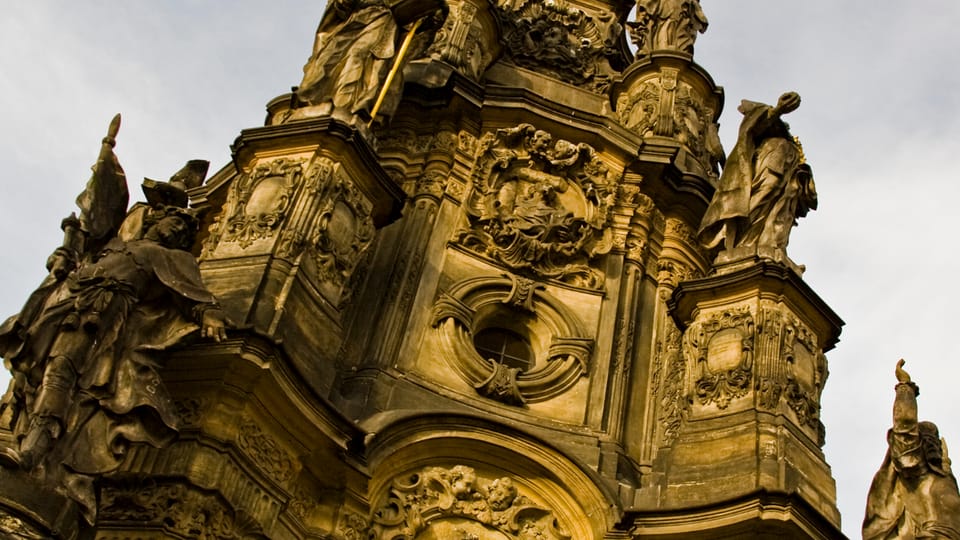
(393, 70)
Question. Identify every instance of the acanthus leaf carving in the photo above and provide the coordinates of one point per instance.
(270, 457)
(540, 206)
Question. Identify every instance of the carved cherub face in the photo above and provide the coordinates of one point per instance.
(501, 494)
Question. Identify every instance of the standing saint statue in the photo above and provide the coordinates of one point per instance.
(667, 25)
(914, 495)
(352, 54)
(765, 185)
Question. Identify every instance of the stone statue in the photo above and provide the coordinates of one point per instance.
(83, 350)
(352, 54)
(765, 185)
(667, 25)
(914, 495)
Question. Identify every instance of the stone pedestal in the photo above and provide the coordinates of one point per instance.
(289, 244)
(753, 347)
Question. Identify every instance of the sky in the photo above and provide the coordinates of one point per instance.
(879, 121)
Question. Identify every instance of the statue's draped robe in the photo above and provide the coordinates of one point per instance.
(141, 297)
(759, 190)
(351, 57)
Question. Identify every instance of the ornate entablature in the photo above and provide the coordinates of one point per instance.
(540, 206)
(459, 503)
(562, 41)
(721, 348)
(559, 348)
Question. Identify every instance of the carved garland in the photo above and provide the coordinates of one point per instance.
(423, 500)
(474, 304)
(723, 383)
(540, 206)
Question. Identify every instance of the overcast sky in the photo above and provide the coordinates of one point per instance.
(880, 124)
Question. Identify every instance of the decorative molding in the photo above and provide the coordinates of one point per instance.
(540, 206)
(668, 377)
(420, 501)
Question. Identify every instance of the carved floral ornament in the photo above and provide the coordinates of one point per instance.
(457, 503)
(721, 348)
(558, 341)
(540, 206)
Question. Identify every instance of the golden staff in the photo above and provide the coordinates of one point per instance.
(393, 70)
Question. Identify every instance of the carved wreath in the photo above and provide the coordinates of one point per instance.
(540, 206)
(478, 302)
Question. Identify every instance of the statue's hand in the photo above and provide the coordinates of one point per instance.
(902, 376)
(788, 102)
(214, 325)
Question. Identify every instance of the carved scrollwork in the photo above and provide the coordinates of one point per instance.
(457, 498)
(559, 343)
(259, 200)
(540, 206)
(562, 41)
(353, 527)
(722, 348)
(668, 376)
(180, 509)
(269, 456)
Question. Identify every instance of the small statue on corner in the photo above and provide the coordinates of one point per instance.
(914, 495)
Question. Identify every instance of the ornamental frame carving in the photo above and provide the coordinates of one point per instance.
(337, 250)
(250, 218)
(561, 346)
(418, 501)
(539, 206)
(721, 386)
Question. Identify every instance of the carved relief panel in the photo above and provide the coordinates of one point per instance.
(511, 340)
(258, 202)
(556, 39)
(667, 97)
(458, 503)
(466, 40)
(540, 206)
